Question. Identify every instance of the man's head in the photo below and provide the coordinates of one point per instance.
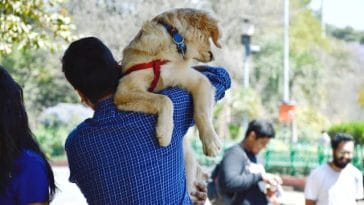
(257, 135)
(91, 69)
(342, 149)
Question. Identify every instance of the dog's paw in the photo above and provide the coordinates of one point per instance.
(164, 134)
(164, 127)
(211, 144)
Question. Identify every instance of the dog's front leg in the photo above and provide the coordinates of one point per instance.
(203, 99)
(143, 101)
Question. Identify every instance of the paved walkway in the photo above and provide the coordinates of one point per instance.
(69, 194)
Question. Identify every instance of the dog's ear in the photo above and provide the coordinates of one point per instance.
(210, 25)
(215, 35)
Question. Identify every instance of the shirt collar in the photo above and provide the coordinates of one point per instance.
(105, 109)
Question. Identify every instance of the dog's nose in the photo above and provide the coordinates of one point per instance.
(211, 56)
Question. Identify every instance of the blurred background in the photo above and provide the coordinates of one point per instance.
(299, 63)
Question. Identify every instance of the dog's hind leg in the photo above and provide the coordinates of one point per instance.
(143, 101)
(194, 172)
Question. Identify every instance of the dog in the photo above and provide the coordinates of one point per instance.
(158, 57)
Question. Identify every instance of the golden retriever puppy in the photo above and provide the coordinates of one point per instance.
(159, 57)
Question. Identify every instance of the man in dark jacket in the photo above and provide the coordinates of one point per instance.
(240, 173)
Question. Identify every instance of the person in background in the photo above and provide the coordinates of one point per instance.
(114, 157)
(324, 138)
(241, 176)
(337, 182)
(26, 177)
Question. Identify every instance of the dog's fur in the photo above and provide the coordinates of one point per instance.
(153, 42)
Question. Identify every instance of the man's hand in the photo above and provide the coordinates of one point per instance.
(271, 179)
(200, 195)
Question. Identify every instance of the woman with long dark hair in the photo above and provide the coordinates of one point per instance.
(25, 175)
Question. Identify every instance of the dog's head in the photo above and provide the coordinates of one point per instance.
(154, 42)
(196, 27)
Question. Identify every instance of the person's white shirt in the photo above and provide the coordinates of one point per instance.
(329, 187)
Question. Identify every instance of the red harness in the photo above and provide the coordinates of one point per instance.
(156, 65)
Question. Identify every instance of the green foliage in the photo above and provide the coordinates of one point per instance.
(361, 95)
(267, 74)
(51, 140)
(305, 33)
(301, 158)
(361, 41)
(346, 34)
(245, 102)
(234, 129)
(28, 29)
(310, 123)
(55, 124)
(32, 24)
(41, 78)
(356, 129)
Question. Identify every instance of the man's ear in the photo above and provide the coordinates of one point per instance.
(85, 100)
(252, 136)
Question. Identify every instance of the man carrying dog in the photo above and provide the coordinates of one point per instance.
(114, 157)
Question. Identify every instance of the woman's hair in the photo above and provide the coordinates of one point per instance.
(15, 134)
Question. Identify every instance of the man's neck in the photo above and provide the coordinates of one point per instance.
(245, 146)
(93, 106)
(104, 98)
(335, 168)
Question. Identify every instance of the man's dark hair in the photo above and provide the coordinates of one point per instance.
(339, 138)
(262, 128)
(91, 68)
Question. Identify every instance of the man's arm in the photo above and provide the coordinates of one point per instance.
(232, 177)
(310, 202)
(311, 189)
(359, 186)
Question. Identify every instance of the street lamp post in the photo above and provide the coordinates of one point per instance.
(247, 32)
(286, 92)
(286, 98)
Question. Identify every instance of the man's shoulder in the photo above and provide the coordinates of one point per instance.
(235, 149)
(354, 170)
(75, 134)
(319, 170)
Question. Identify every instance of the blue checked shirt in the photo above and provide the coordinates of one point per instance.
(115, 158)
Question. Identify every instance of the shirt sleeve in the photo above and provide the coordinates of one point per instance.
(72, 165)
(33, 182)
(311, 186)
(233, 176)
(359, 186)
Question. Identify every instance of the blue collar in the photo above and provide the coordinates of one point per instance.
(176, 37)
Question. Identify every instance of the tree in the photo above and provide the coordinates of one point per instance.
(32, 24)
(361, 95)
(39, 74)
